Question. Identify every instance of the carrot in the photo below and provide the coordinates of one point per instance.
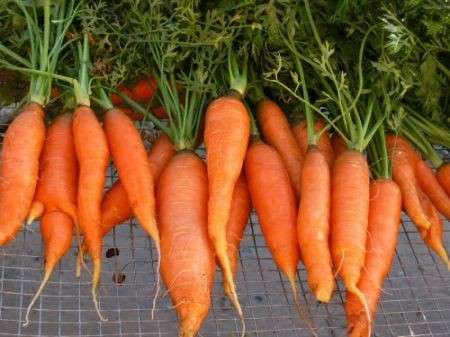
(443, 176)
(144, 89)
(338, 144)
(403, 173)
(433, 237)
(274, 200)
(349, 219)
(135, 116)
(117, 100)
(56, 194)
(398, 143)
(129, 156)
(91, 148)
(115, 205)
(19, 169)
(187, 257)
(226, 135)
(384, 226)
(313, 223)
(430, 185)
(240, 210)
(275, 129)
(323, 143)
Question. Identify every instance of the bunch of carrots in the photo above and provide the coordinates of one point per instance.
(328, 187)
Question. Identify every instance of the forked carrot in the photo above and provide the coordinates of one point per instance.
(226, 135)
(187, 257)
(313, 223)
(349, 220)
(92, 152)
(384, 226)
(19, 169)
(276, 131)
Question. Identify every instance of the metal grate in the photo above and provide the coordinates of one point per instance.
(416, 299)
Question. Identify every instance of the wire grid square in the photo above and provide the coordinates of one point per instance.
(415, 301)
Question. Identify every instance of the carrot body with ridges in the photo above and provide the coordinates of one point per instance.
(382, 237)
(19, 169)
(91, 148)
(276, 131)
(227, 131)
(443, 176)
(187, 257)
(313, 223)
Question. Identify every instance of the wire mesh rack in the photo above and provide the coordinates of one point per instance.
(415, 301)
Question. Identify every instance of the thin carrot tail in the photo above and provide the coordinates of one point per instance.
(362, 298)
(47, 273)
(442, 253)
(95, 285)
(80, 260)
(300, 308)
(158, 279)
(36, 211)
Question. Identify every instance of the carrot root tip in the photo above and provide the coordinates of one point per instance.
(95, 284)
(158, 283)
(47, 274)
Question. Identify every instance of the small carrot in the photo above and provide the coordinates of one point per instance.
(226, 135)
(144, 89)
(19, 169)
(187, 257)
(240, 210)
(349, 219)
(117, 100)
(323, 143)
(430, 185)
(275, 129)
(56, 193)
(384, 226)
(91, 148)
(338, 144)
(443, 176)
(313, 223)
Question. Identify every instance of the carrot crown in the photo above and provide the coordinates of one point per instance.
(45, 44)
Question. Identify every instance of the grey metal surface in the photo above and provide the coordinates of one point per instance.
(415, 302)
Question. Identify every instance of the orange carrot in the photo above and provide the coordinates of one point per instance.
(430, 185)
(19, 169)
(313, 223)
(349, 219)
(338, 144)
(275, 129)
(115, 205)
(144, 89)
(398, 143)
(274, 200)
(187, 257)
(56, 194)
(92, 152)
(240, 210)
(443, 176)
(117, 100)
(403, 173)
(323, 143)
(226, 135)
(384, 226)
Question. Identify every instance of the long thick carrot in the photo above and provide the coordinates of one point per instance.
(313, 223)
(92, 152)
(430, 185)
(384, 226)
(349, 219)
(56, 196)
(443, 176)
(19, 169)
(227, 131)
(115, 205)
(274, 199)
(187, 257)
(276, 131)
(240, 210)
(403, 173)
(323, 143)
